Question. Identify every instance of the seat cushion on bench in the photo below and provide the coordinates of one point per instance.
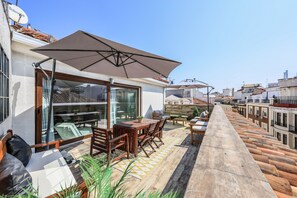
(49, 172)
(199, 128)
(201, 123)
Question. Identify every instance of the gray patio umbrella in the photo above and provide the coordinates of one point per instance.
(91, 53)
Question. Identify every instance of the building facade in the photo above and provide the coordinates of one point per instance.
(284, 111)
(259, 114)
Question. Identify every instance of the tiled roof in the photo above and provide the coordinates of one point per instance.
(198, 101)
(276, 161)
(34, 33)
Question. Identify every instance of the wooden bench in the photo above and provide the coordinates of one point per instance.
(48, 169)
(199, 127)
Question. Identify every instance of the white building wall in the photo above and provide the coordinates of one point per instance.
(289, 91)
(152, 99)
(23, 85)
(291, 112)
(227, 92)
(238, 95)
(6, 45)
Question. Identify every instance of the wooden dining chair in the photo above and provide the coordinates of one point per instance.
(146, 138)
(158, 134)
(103, 142)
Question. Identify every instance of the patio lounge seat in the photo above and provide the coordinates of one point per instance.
(158, 115)
(48, 169)
(199, 128)
(204, 116)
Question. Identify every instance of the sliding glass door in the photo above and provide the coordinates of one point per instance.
(80, 103)
(123, 104)
(76, 107)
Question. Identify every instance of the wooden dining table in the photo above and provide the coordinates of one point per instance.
(132, 128)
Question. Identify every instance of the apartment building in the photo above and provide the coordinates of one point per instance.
(284, 112)
(259, 114)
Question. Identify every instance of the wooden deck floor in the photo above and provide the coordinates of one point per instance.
(172, 174)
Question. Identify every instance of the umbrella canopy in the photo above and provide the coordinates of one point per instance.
(91, 53)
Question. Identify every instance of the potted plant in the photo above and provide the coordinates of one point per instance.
(196, 112)
(139, 119)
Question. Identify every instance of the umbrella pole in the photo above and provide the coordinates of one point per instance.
(207, 99)
(50, 103)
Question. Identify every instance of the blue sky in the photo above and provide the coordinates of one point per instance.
(221, 42)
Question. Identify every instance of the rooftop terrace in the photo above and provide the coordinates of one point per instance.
(235, 159)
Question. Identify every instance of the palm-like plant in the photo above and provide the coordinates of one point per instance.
(97, 177)
(98, 180)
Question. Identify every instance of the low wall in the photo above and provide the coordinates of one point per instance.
(224, 167)
(185, 109)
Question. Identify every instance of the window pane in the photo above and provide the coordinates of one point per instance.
(1, 60)
(1, 84)
(123, 104)
(76, 107)
(7, 107)
(1, 110)
(4, 86)
(6, 66)
(7, 87)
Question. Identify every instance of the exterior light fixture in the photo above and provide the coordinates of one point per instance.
(111, 80)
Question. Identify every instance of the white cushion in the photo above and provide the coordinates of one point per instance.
(199, 128)
(49, 172)
(202, 123)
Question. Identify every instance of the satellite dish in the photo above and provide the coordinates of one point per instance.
(16, 14)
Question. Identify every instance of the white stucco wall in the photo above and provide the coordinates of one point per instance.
(23, 85)
(6, 45)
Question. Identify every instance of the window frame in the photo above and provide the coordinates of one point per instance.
(4, 85)
(62, 76)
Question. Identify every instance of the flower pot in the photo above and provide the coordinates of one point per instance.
(140, 120)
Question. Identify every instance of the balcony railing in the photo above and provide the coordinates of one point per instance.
(293, 129)
(280, 124)
(265, 101)
(257, 100)
(249, 100)
(286, 100)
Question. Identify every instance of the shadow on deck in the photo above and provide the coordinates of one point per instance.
(179, 180)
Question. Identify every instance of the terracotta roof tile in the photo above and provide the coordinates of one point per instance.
(277, 161)
(34, 33)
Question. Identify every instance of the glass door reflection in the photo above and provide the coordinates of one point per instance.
(123, 103)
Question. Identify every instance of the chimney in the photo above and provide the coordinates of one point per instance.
(286, 74)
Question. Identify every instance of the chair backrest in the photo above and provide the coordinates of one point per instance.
(101, 136)
(155, 128)
(162, 124)
(151, 128)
